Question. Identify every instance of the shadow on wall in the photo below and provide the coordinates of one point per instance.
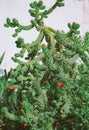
(1, 71)
(86, 12)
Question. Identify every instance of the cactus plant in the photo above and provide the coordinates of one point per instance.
(49, 87)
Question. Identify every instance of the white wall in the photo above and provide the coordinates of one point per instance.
(74, 10)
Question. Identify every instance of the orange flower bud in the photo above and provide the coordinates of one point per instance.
(42, 44)
(60, 84)
(25, 125)
(11, 88)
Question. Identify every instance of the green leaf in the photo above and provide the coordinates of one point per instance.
(2, 57)
(75, 26)
(42, 99)
(68, 52)
(32, 12)
(17, 30)
(19, 40)
(6, 25)
(69, 25)
(15, 21)
(41, 67)
(21, 78)
(32, 5)
(25, 68)
(15, 34)
(8, 21)
(73, 59)
(65, 109)
(60, 4)
(40, 3)
(77, 32)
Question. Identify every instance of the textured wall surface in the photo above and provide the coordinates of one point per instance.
(74, 10)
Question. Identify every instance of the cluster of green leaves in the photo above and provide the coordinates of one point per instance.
(37, 99)
(37, 6)
(73, 28)
(37, 11)
(15, 24)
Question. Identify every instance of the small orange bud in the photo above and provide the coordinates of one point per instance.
(25, 125)
(60, 84)
(11, 88)
(42, 44)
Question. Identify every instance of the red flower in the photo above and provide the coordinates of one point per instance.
(60, 84)
(25, 125)
(42, 44)
(11, 88)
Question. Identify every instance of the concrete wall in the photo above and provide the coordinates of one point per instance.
(74, 10)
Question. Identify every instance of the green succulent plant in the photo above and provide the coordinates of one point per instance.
(49, 87)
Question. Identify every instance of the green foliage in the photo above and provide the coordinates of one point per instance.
(73, 28)
(49, 87)
(60, 3)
